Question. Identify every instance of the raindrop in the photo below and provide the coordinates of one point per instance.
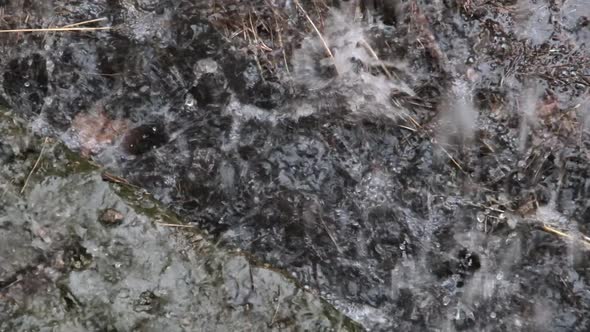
(481, 217)
(27, 84)
(446, 300)
(493, 315)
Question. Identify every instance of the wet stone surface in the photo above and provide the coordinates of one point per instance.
(318, 169)
(61, 269)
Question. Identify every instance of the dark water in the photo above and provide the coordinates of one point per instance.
(430, 227)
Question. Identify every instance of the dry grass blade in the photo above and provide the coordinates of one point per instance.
(175, 225)
(274, 315)
(283, 50)
(85, 22)
(35, 166)
(54, 29)
(376, 57)
(585, 240)
(407, 128)
(455, 162)
(330, 235)
(108, 177)
(414, 122)
(452, 159)
(256, 45)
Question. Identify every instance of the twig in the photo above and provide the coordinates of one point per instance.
(317, 32)
(36, 164)
(14, 282)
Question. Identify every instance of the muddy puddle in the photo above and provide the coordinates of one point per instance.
(421, 165)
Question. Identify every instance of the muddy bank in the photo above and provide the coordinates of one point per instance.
(413, 182)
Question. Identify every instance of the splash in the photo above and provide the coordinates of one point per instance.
(354, 78)
(528, 112)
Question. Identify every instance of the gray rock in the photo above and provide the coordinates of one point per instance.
(61, 270)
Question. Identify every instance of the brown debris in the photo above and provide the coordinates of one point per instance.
(96, 131)
(111, 217)
(268, 30)
(426, 37)
(548, 106)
